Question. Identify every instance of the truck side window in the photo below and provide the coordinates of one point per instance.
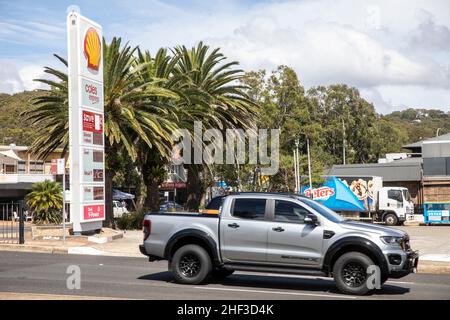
(249, 208)
(286, 211)
(395, 195)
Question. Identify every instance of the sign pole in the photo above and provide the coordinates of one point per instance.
(64, 202)
(86, 121)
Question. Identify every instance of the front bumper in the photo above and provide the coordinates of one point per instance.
(409, 266)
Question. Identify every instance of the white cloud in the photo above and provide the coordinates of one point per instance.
(31, 32)
(30, 72)
(395, 52)
(367, 45)
(10, 78)
(15, 78)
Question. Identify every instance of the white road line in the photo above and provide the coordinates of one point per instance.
(279, 292)
(400, 282)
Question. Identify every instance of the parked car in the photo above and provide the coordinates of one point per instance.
(170, 206)
(276, 233)
(119, 208)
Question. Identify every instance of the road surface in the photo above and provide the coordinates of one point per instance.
(31, 275)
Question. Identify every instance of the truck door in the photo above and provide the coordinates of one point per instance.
(244, 232)
(290, 240)
(395, 200)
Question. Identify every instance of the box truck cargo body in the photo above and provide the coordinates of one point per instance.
(364, 196)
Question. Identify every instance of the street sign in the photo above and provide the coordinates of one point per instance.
(86, 121)
(58, 166)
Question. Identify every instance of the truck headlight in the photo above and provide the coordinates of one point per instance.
(393, 241)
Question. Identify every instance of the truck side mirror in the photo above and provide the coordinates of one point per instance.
(311, 219)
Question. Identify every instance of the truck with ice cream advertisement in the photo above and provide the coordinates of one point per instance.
(364, 195)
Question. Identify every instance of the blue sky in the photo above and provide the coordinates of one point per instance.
(396, 52)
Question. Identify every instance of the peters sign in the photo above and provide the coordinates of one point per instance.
(322, 193)
(86, 120)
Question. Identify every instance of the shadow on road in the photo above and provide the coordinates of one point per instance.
(279, 282)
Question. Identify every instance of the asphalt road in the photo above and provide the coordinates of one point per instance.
(136, 278)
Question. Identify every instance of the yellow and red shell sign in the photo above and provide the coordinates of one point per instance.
(92, 49)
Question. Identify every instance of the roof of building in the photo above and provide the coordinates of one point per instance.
(400, 170)
(10, 154)
(418, 144)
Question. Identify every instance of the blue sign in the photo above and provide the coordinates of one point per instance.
(436, 212)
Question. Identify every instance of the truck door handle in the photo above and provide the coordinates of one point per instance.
(233, 225)
(278, 229)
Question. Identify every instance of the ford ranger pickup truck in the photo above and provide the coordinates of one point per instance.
(279, 233)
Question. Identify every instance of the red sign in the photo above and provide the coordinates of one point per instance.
(54, 167)
(173, 185)
(322, 193)
(95, 211)
(92, 122)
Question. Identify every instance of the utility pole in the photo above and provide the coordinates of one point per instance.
(309, 165)
(298, 166)
(295, 171)
(343, 141)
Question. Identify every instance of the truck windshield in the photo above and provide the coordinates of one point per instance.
(324, 211)
(406, 195)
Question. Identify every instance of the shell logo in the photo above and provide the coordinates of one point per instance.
(92, 49)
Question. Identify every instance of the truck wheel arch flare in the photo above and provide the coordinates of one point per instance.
(355, 243)
(189, 234)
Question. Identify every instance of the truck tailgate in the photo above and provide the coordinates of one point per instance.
(164, 226)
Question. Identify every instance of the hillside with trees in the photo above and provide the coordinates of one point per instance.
(13, 129)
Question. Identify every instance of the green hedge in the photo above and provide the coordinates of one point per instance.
(131, 221)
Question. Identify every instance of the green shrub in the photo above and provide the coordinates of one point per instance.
(131, 221)
(45, 202)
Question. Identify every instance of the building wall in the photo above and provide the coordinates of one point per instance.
(436, 190)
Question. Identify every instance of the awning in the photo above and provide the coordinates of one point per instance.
(9, 157)
(334, 194)
(120, 195)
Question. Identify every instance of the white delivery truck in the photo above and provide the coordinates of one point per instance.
(391, 205)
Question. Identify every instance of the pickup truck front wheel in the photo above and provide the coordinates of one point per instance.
(350, 273)
(191, 264)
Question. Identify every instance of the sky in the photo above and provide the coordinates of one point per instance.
(396, 52)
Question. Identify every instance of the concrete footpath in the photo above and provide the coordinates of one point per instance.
(433, 243)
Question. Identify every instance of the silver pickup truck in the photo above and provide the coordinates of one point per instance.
(277, 233)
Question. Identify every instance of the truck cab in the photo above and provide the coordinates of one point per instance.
(394, 205)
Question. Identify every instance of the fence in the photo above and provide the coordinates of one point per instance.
(12, 225)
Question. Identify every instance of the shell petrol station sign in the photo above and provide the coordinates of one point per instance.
(86, 121)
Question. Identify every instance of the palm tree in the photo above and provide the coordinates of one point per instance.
(216, 98)
(129, 113)
(45, 202)
(152, 162)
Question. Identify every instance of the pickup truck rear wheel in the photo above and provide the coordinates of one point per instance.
(350, 273)
(191, 264)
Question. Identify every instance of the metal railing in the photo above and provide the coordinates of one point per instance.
(12, 225)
